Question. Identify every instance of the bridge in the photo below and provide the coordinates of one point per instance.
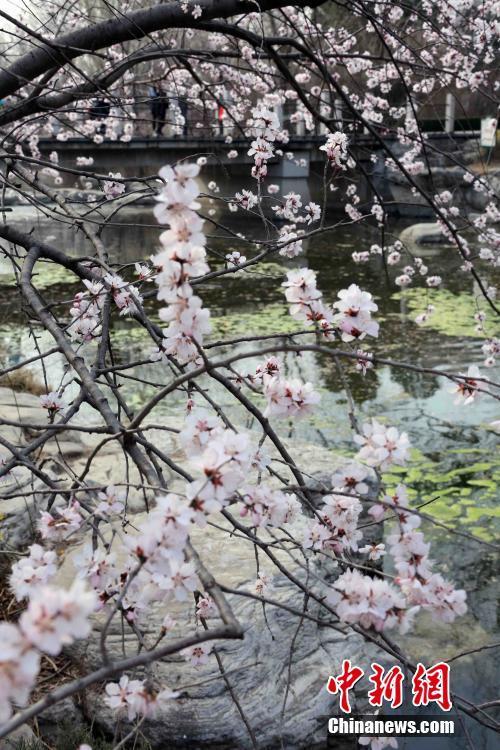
(143, 155)
(300, 169)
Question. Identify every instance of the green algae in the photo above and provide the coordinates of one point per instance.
(273, 318)
(266, 269)
(453, 314)
(46, 275)
(464, 495)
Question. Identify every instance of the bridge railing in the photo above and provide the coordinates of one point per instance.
(181, 118)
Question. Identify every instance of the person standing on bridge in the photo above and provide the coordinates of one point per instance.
(99, 110)
(158, 103)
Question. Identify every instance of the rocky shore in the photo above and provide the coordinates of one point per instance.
(280, 654)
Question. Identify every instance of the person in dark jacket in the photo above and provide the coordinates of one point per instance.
(158, 103)
(99, 111)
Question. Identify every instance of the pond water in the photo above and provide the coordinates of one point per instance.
(455, 465)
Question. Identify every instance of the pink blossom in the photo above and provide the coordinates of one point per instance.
(261, 150)
(235, 259)
(112, 188)
(96, 566)
(271, 366)
(59, 526)
(469, 389)
(382, 446)
(30, 572)
(355, 319)
(205, 607)
(111, 501)
(363, 363)
(179, 192)
(289, 398)
(336, 149)
(19, 665)
(316, 536)
(181, 579)
(312, 212)
(168, 623)
(199, 427)
(433, 281)
(436, 595)
(369, 602)
(291, 243)
(393, 258)
(262, 584)
(52, 402)
(246, 199)
(305, 299)
(265, 506)
(134, 698)
(374, 551)
(350, 478)
(197, 655)
(55, 618)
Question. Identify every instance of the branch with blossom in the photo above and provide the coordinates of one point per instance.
(248, 62)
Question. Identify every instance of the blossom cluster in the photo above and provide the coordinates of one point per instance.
(86, 310)
(410, 552)
(134, 698)
(53, 618)
(265, 128)
(353, 319)
(370, 602)
(269, 507)
(305, 300)
(337, 528)
(382, 446)
(286, 398)
(336, 149)
(456, 38)
(181, 258)
(375, 602)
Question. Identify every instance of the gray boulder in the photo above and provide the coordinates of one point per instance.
(425, 233)
(280, 655)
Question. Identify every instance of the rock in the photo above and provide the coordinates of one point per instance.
(18, 515)
(259, 667)
(478, 200)
(18, 522)
(20, 738)
(423, 234)
(13, 197)
(63, 714)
